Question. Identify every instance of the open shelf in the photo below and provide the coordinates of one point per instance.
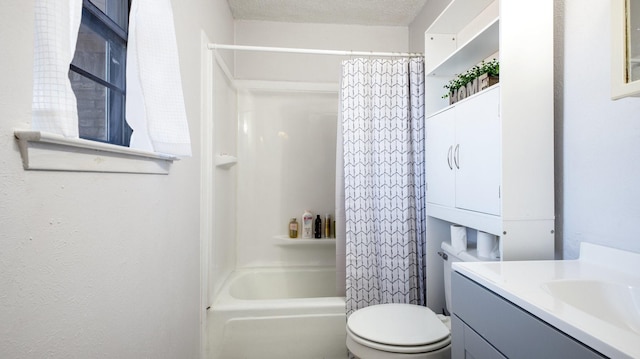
(224, 160)
(479, 47)
(457, 15)
(465, 34)
(284, 240)
(479, 93)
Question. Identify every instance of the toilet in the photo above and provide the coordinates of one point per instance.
(404, 331)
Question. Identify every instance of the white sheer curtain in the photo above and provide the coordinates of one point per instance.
(155, 101)
(55, 34)
(383, 142)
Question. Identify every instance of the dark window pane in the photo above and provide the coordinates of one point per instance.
(117, 58)
(100, 111)
(100, 53)
(116, 10)
(91, 52)
(119, 130)
(92, 108)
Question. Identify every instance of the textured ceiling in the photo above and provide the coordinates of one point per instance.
(355, 12)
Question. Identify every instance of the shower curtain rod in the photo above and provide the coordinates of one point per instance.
(312, 51)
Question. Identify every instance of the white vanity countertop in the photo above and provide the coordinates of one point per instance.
(523, 283)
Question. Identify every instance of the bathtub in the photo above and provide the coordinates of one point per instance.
(278, 313)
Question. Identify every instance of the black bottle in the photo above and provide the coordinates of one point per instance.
(317, 230)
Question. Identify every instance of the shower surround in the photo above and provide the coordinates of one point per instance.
(286, 165)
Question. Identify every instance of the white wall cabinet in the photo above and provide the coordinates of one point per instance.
(502, 138)
(463, 154)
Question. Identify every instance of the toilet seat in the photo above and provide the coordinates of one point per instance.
(399, 349)
(398, 328)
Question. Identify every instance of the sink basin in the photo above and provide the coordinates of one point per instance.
(615, 303)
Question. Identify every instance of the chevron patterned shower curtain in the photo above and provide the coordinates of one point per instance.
(382, 114)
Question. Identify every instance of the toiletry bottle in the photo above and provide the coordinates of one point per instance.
(333, 229)
(318, 228)
(307, 225)
(327, 226)
(293, 228)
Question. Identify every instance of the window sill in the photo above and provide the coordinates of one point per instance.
(51, 152)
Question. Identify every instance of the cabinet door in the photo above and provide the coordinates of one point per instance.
(468, 344)
(477, 154)
(440, 139)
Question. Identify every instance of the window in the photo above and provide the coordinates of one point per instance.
(97, 72)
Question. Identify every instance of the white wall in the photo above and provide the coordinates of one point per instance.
(421, 23)
(99, 265)
(598, 142)
(310, 68)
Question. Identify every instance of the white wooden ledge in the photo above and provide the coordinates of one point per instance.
(51, 152)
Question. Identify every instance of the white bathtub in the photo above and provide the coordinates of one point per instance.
(276, 313)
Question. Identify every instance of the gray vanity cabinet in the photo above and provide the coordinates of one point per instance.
(485, 325)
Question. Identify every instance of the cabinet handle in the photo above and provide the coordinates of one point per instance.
(449, 157)
(456, 156)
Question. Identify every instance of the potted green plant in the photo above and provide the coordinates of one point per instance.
(473, 80)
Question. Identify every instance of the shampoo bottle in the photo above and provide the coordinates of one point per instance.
(327, 226)
(293, 228)
(307, 225)
(317, 232)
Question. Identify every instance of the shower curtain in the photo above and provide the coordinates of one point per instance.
(382, 130)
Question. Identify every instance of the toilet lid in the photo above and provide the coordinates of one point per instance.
(398, 325)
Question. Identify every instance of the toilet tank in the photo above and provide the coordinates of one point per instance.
(449, 255)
